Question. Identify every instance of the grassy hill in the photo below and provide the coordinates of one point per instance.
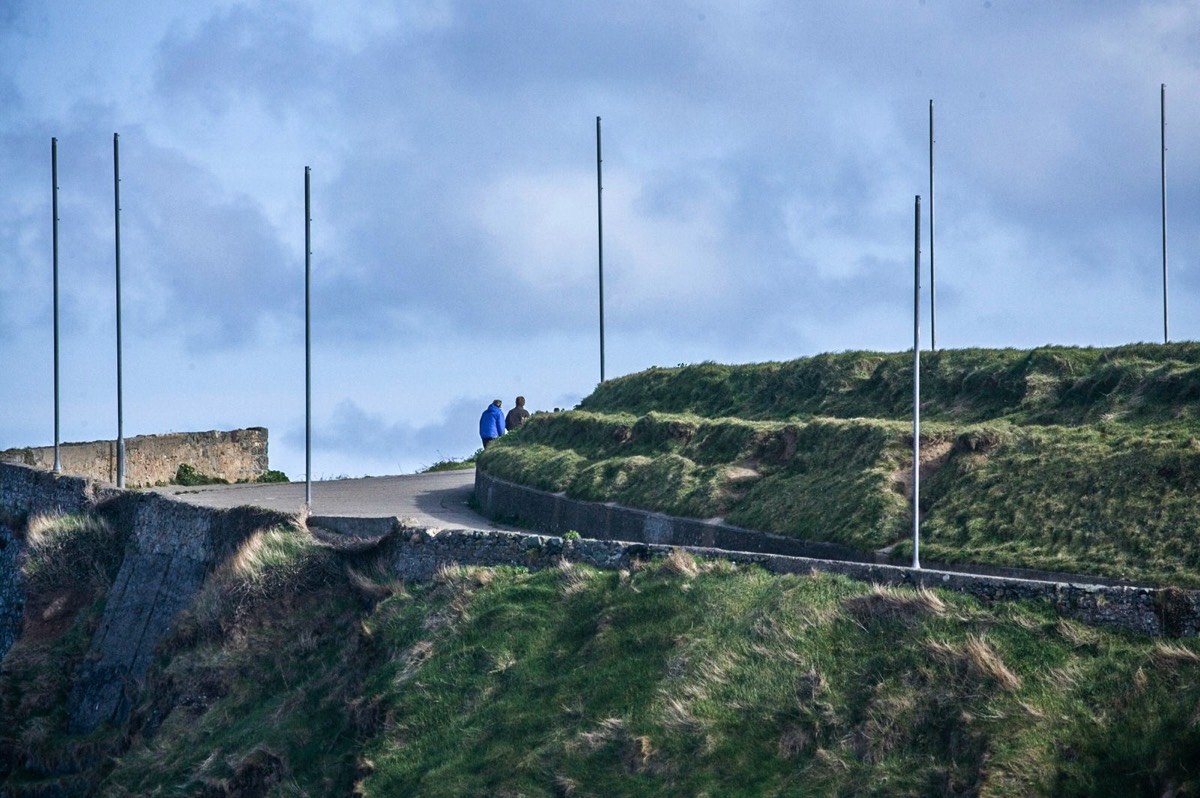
(1065, 459)
(304, 671)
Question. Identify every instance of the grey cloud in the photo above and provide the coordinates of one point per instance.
(213, 264)
(832, 114)
(268, 52)
(356, 433)
(198, 263)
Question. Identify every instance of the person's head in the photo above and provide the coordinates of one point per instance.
(497, 402)
(520, 401)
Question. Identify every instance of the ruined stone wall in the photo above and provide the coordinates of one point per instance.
(154, 459)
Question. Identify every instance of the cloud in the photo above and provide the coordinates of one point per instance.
(373, 441)
(268, 54)
(760, 165)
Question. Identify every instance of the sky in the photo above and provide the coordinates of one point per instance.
(761, 164)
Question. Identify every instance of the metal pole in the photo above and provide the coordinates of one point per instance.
(932, 277)
(54, 214)
(307, 345)
(1163, 134)
(600, 235)
(120, 403)
(916, 473)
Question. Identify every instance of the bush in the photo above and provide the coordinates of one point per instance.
(188, 475)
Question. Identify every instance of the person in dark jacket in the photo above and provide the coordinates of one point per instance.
(491, 423)
(516, 417)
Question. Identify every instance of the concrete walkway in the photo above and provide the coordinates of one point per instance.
(437, 500)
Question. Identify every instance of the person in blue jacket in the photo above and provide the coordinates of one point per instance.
(491, 423)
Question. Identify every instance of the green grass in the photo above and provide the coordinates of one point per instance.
(1047, 385)
(450, 464)
(1059, 458)
(302, 671)
(70, 563)
(187, 474)
(689, 678)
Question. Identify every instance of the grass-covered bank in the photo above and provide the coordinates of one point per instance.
(1065, 459)
(303, 671)
(1048, 385)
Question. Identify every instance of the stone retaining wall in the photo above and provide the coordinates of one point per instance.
(154, 459)
(1161, 611)
(12, 589)
(173, 547)
(417, 554)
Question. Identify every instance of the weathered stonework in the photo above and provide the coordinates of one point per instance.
(153, 459)
(12, 588)
(174, 547)
(1160, 611)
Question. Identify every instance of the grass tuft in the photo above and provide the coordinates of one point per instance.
(70, 551)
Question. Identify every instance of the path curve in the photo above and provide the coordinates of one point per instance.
(437, 500)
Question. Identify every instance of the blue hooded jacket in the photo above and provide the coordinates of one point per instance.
(491, 423)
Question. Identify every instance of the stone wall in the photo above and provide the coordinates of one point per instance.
(1163, 611)
(237, 455)
(174, 547)
(12, 588)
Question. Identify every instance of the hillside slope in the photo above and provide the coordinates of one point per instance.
(301, 670)
(1060, 459)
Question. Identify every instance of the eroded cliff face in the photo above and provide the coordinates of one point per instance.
(172, 548)
(12, 590)
(169, 550)
(24, 491)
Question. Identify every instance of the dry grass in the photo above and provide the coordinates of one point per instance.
(1078, 635)
(1066, 679)
(1172, 656)
(883, 604)
(677, 717)
(682, 563)
(70, 550)
(794, 741)
(977, 657)
(372, 586)
(572, 576)
(411, 660)
(987, 661)
(609, 729)
(636, 751)
(270, 559)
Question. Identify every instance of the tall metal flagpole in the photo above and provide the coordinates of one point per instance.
(307, 345)
(932, 277)
(916, 472)
(600, 237)
(54, 214)
(120, 402)
(1163, 137)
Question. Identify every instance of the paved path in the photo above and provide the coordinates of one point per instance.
(426, 500)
